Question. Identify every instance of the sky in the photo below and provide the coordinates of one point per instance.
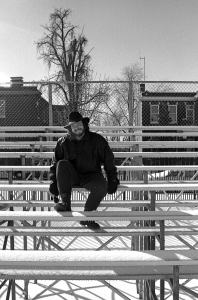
(119, 32)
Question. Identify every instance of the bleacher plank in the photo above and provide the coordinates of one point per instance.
(103, 231)
(102, 133)
(137, 133)
(119, 168)
(192, 128)
(116, 154)
(97, 265)
(31, 186)
(117, 144)
(99, 216)
(104, 204)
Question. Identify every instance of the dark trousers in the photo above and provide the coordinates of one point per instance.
(95, 183)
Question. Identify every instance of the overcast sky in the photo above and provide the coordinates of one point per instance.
(165, 32)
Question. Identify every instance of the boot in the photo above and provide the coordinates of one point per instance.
(90, 224)
(64, 204)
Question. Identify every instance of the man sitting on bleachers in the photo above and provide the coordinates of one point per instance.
(77, 161)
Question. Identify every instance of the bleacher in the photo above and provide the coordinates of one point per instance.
(136, 222)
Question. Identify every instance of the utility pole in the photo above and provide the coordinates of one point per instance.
(144, 66)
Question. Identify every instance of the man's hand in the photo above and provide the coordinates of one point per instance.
(54, 198)
(112, 186)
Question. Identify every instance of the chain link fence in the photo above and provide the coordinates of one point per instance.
(105, 103)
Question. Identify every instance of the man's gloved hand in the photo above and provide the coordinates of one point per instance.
(53, 190)
(54, 197)
(112, 186)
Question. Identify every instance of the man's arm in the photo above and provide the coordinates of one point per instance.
(58, 155)
(107, 159)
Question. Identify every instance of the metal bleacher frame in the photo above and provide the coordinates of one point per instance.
(135, 209)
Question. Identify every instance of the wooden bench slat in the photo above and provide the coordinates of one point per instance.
(99, 216)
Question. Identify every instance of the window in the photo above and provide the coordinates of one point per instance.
(190, 113)
(173, 113)
(2, 108)
(154, 114)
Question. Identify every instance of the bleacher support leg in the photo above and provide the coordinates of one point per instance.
(10, 197)
(162, 247)
(146, 244)
(161, 289)
(153, 198)
(147, 290)
(13, 290)
(9, 289)
(5, 240)
(26, 282)
(146, 238)
(175, 282)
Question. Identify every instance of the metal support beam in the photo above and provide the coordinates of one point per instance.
(175, 282)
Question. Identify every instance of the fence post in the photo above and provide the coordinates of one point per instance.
(130, 103)
(136, 175)
(50, 104)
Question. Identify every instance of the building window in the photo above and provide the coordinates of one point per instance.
(190, 113)
(2, 108)
(154, 114)
(173, 113)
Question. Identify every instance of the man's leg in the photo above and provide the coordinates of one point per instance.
(66, 177)
(97, 185)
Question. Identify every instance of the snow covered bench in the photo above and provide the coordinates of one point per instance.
(117, 265)
(25, 217)
(100, 265)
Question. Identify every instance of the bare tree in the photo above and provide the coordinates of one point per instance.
(63, 50)
(124, 97)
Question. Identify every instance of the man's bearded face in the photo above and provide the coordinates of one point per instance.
(78, 128)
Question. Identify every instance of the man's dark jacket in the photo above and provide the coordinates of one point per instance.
(86, 155)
